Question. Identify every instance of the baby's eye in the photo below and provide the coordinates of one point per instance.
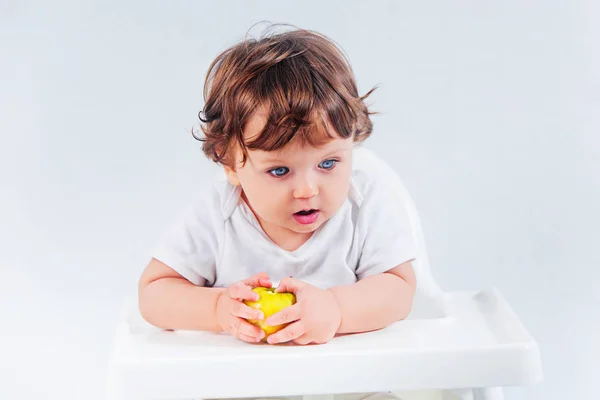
(279, 172)
(327, 164)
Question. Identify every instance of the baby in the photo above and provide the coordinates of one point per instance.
(282, 116)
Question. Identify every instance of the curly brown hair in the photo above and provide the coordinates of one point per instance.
(303, 81)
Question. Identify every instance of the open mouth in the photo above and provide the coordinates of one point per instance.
(306, 212)
(307, 217)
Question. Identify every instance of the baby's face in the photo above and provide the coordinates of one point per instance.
(296, 189)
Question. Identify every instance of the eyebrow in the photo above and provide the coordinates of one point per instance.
(274, 159)
(335, 150)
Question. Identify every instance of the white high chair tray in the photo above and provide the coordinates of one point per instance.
(479, 342)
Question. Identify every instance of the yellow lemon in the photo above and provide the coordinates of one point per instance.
(270, 302)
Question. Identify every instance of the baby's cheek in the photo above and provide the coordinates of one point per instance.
(269, 207)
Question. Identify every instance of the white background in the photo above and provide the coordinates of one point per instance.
(490, 113)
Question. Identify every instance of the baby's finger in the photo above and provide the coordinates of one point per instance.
(287, 334)
(240, 291)
(239, 309)
(259, 280)
(285, 316)
(302, 340)
(290, 285)
(246, 338)
(242, 327)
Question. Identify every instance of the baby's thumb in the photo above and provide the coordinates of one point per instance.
(259, 280)
(289, 285)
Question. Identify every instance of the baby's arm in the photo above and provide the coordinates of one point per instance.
(168, 300)
(376, 301)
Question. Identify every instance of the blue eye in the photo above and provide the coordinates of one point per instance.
(327, 164)
(279, 172)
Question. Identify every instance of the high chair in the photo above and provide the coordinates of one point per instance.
(463, 345)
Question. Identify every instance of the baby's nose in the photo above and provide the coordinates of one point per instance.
(306, 190)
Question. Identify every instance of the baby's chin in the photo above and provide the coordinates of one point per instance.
(305, 229)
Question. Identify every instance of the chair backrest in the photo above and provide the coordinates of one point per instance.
(429, 299)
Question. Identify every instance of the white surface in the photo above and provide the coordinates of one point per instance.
(479, 343)
(489, 112)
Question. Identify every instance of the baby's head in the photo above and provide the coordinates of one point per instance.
(282, 114)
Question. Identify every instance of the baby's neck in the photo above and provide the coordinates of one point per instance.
(286, 239)
(290, 241)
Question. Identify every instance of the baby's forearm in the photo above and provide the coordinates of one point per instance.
(374, 302)
(175, 303)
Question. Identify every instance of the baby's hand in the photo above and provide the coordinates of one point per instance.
(315, 318)
(232, 312)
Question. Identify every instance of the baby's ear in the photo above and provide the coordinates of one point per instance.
(232, 175)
